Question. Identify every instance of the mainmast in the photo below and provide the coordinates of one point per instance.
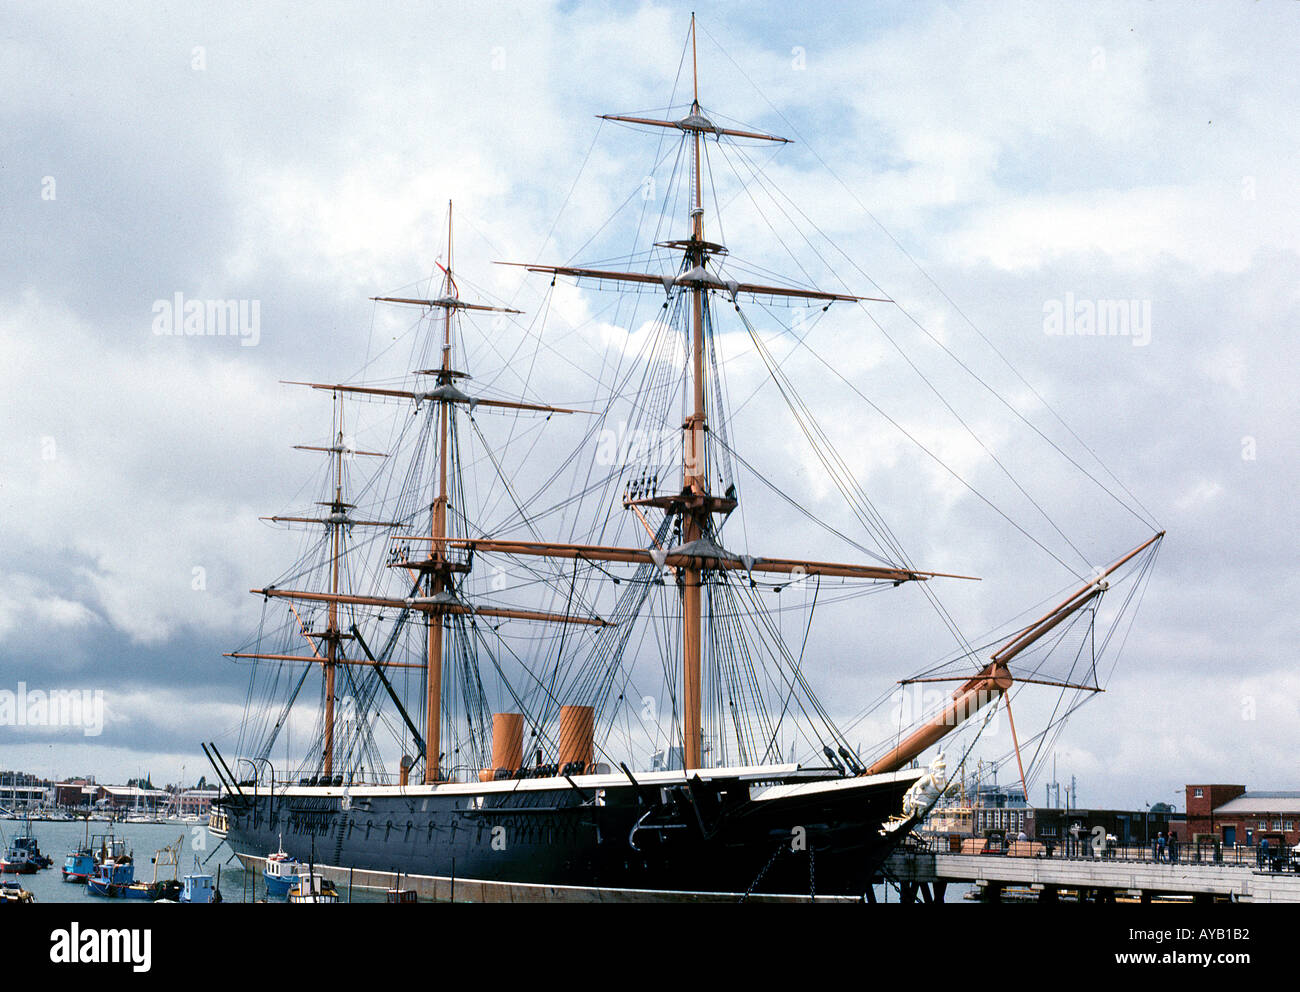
(694, 506)
(694, 474)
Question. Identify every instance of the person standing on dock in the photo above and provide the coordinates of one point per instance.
(1173, 848)
(1160, 846)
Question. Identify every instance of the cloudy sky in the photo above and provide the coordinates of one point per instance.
(988, 165)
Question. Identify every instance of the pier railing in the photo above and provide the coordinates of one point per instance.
(1192, 854)
(1087, 849)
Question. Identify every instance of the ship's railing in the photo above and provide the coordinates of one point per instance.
(339, 781)
(460, 559)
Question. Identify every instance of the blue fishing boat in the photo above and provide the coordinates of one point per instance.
(111, 879)
(79, 865)
(114, 878)
(282, 873)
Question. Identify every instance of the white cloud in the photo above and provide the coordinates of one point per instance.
(1202, 492)
(1206, 228)
(128, 487)
(28, 602)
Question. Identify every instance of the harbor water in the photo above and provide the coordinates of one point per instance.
(201, 853)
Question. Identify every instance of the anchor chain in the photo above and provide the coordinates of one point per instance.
(759, 877)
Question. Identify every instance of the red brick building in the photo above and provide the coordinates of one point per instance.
(77, 793)
(1233, 816)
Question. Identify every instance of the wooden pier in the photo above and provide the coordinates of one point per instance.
(924, 876)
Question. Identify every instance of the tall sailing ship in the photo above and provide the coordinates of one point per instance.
(496, 640)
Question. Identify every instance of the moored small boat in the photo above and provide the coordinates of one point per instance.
(200, 889)
(314, 887)
(196, 888)
(23, 857)
(23, 854)
(114, 873)
(282, 872)
(11, 890)
(78, 866)
(112, 879)
(107, 847)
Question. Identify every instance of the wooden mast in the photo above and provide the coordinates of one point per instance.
(332, 630)
(695, 477)
(438, 575)
(438, 598)
(335, 522)
(694, 506)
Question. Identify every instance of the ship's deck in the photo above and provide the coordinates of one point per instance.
(782, 780)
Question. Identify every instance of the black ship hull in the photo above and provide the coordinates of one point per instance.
(718, 831)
